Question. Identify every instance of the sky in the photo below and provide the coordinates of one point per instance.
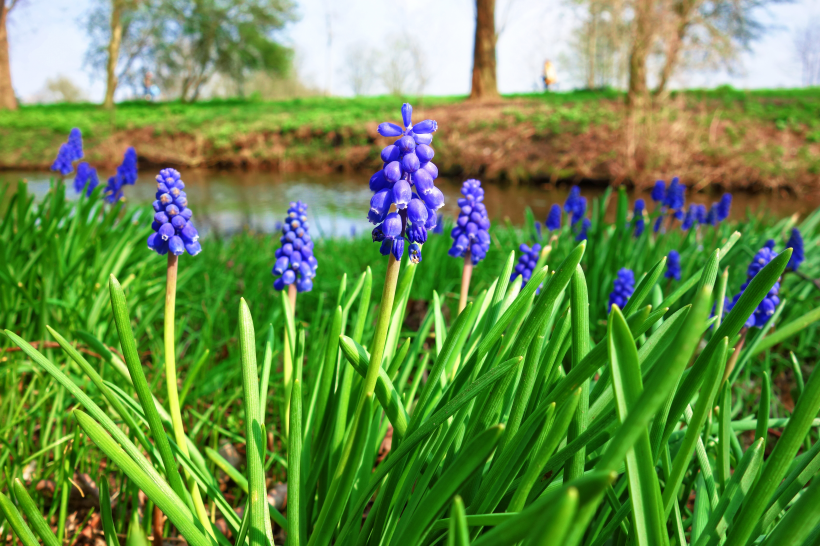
(47, 39)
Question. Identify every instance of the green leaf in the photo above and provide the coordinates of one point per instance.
(644, 490)
(758, 287)
(170, 505)
(35, 518)
(800, 521)
(644, 287)
(556, 522)
(259, 526)
(15, 520)
(711, 385)
(579, 304)
(458, 533)
(734, 493)
(425, 429)
(119, 308)
(778, 463)
(786, 331)
(95, 412)
(517, 528)
(473, 456)
(295, 538)
(385, 392)
(109, 530)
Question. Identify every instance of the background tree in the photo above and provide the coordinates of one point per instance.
(642, 35)
(7, 99)
(807, 48)
(484, 84)
(186, 42)
(359, 68)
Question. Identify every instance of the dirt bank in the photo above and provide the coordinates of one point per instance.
(517, 140)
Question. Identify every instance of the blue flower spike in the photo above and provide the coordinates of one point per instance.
(673, 265)
(126, 175)
(526, 263)
(659, 191)
(86, 179)
(553, 221)
(295, 262)
(770, 302)
(470, 233)
(406, 180)
(173, 230)
(582, 233)
(69, 152)
(638, 219)
(795, 242)
(724, 207)
(622, 289)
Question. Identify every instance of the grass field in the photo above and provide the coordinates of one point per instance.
(736, 139)
(330, 429)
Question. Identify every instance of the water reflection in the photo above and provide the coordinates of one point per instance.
(231, 201)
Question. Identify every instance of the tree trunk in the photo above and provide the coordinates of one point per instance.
(484, 80)
(592, 44)
(7, 99)
(642, 40)
(673, 49)
(113, 52)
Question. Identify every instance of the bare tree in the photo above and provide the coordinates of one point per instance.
(421, 72)
(643, 33)
(113, 52)
(360, 68)
(63, 89)
(7, 99)
(807, 48)
(394, 74)
(484, 84)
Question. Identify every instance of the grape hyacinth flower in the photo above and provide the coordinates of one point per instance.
(406, 180)
(622, 289)
(173, 230)
(770, 302)
(769, 244)
(795, 242)
(526, 263)
(572, 199)
(767, 307)
(675, 197)
(471, 240)
(712, 215)
(690, 218)
(700, 213)
(659, 191)
(673, 265)
(126, 175)
(439, 224)
(582, 233)
(724, 207)
(637, 217)
(538, 230)
(86, 179)
(69, 152)
(470, 235)
(295, 262)
(553, 221)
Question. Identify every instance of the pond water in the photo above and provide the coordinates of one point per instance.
(230, 201)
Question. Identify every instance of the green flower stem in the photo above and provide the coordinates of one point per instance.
(287, 367)
(171, 381)
(380, 337)
(466, 273)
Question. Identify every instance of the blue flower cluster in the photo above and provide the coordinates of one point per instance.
(526, 263)
(637, 217)
(582, 233)
(407, 167)
(553, 221)
(173, 230)
(673, 265)
(622, 288)
(770, 302)
(295, 261)
(575, 205)
(670, 200)
(86, 178)
(126, 175)
(69, 152)
(470, 233)
(795, 242)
